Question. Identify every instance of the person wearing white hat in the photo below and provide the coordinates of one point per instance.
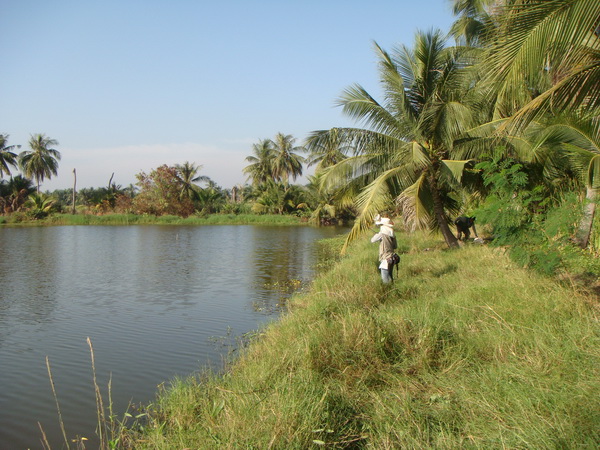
(387, 245)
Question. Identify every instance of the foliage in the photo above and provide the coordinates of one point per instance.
(211, 199)
(511, 203)
(277, 198)
(327, 152)
(160, 193)
(521, 215)
(550, 46)
(39, 205)
(287, 163)
(260, 169)
(188, 177)
(328, 206)
(14, 193)
(137, 219)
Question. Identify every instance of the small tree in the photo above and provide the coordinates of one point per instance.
(40, 205)
(160, 193)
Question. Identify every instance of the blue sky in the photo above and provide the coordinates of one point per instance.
(128, 85)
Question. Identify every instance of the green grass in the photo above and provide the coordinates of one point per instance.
(465, 350)
(133, 219)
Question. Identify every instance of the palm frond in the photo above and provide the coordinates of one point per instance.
(416, 205)
(372, 200)
(551, 40)
(593, 174)
(452, 171)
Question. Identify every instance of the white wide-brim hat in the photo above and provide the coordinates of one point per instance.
(385, 221)
(387, 226)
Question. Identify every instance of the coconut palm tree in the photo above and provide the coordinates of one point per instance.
(287, 163)
(406, 154)
(211, 198)
(41, 161)
(327, 206)
(328, 152)
(543, 59)
(40, 205)
(14, 193)
(554, 39)
(7, 157)
(475, 24)
(578, 138)
(188, 175)
(277, 197)
(261, 163)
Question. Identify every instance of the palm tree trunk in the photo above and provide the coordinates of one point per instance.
(582, 237)
(438, 211)
(74, 190)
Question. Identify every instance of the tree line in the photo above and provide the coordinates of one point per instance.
(177, 190)
(497, 118)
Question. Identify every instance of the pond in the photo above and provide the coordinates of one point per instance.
(155, 301)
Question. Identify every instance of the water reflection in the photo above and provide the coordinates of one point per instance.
(151, 298)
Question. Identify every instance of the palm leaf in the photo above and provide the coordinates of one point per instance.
(452, 171)
(372, 200)
(593, 179)
(416, 205)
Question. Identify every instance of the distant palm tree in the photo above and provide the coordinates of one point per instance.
(276, 197)
(287, 162)
(41, 161)
(14, 192)
(211, 198)
(327, 205)
(188, 176)
(260, 169)
(7, 157)
(329, 152)
(130, 190)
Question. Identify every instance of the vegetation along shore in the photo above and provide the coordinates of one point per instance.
(465, 350)
(483, 346)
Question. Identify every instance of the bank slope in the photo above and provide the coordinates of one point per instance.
(464, 350)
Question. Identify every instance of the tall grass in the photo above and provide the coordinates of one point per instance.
(464, 350)
(110, 429)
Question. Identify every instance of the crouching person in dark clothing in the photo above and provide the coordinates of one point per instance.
(387, 245)
(463, 225)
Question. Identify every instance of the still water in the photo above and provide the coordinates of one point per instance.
(155, 301)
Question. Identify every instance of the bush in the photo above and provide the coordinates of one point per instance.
(535, 226)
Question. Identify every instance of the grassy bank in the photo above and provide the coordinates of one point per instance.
(134, 219)
(464, 350)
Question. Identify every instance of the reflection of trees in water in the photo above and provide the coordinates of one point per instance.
(29, 287)
(283, 259)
